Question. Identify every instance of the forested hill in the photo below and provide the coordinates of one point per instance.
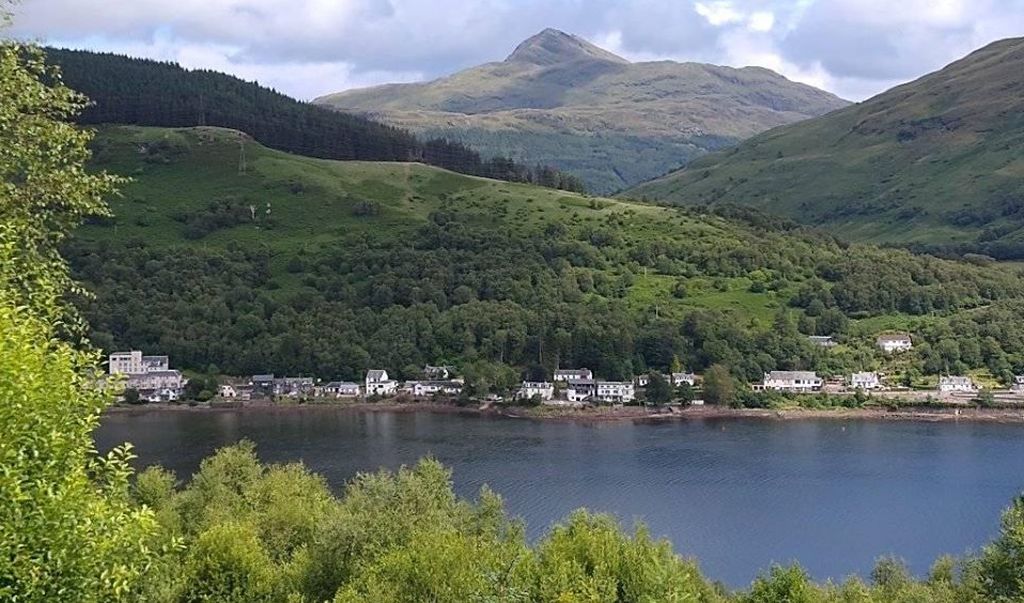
(559, 99)
(326, 268)
(934, 163)
(126, 90)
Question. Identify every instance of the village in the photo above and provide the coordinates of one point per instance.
(149, 379)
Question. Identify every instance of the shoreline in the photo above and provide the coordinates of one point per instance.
(632, 414)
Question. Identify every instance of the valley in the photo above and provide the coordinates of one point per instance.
(933, 164)
(560, 100)
(337, 266)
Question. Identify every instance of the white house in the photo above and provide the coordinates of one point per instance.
(792, 381)
(227, 391)
(1018, 383)
(956, 383)
(825, 341)
(573, 375)
(681, 378)
(544, 389)
(377, 382)
(165, 394)
(892, 343)
(578, 395)
(429, 388)
(642, 380)
(615, 391)
(581, 390)
(865, 381)
(341, 389)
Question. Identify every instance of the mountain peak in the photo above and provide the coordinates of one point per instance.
(551, 47)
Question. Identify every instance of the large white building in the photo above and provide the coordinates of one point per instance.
(151, 376)
(574, 375)
(865, 381)
(956, 383)
(154, 380)
(377, 382)
(894, 342)
(615, 391)
(134, 363)
(792, 381)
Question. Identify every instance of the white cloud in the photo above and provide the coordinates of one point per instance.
(718, 13)
(761, 21)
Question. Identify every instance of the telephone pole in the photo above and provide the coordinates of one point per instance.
(241, 155)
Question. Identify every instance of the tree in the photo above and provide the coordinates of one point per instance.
(998, 574)
(719, 387)
(790, 584)
(131, 396)
(68, 530)
(46, 190)
(659, 390)
(685, 393)
(986, 399)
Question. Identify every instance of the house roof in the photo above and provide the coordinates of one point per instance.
(340, 384)
(954, 379)
(376, 374)
(894, 337)
(262, 378)
(581, 371)
(866, 375)
(794, 375)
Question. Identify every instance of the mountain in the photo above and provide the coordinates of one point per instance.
(296, 265)
(560, 100)
(126, 90)
(935, 163)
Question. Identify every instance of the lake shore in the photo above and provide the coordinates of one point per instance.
(612, 414)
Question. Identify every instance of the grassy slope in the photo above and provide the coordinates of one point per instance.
(901, 167)
(180, 172)
(556, 88)
(321, 214)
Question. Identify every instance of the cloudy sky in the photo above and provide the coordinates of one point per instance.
(306, 48)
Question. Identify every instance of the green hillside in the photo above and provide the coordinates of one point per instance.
(560, 100)
(296, 265)
(132, 91)
(936, 162)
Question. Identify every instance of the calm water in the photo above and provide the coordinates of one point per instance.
(737, 494)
